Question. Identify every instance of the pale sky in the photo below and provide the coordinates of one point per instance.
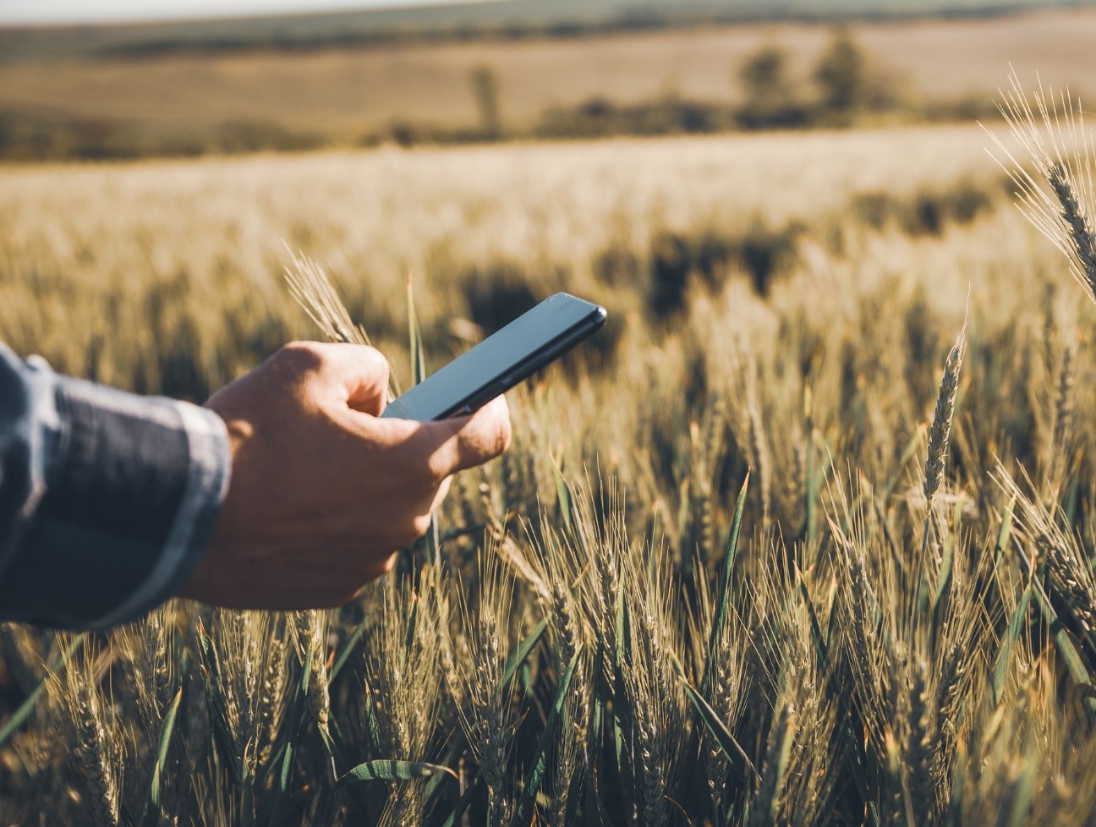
(114, 11)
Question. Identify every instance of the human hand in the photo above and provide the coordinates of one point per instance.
(323, 491)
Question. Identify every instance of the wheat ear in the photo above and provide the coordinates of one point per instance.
(1053, 136)
(940, 432)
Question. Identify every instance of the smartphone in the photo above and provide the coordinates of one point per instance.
(500, 361)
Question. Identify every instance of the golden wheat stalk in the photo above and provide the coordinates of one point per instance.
(1060, 201)
(940, 431)
(312, 289)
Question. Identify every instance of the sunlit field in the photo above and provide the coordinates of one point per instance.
(804, 535)
(157, 257)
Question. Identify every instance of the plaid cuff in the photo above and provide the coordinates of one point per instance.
(132, 492)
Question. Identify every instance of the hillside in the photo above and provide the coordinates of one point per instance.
(494, 17)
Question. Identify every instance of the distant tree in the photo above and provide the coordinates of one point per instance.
(770, 98)
(485, 88)
(764, 74)
(840, 74)
(7, 134)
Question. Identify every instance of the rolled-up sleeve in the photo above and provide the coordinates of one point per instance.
(107, 499)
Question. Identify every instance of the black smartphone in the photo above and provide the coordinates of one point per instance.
(501, 360)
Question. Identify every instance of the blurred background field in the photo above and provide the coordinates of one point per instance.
(488, 72)
(810, 262)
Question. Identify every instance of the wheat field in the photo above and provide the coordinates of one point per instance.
(804, 536)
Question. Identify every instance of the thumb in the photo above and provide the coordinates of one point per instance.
(464, 442)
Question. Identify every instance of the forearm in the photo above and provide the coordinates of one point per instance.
(106, 499)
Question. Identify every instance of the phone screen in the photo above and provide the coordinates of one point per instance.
(501, 361)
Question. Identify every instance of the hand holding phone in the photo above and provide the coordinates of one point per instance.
(501, 361)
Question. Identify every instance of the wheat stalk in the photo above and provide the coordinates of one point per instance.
(311, 642)
(1054, 137)
(940, 431)
(1063, 411)
(487, 712)
(97, 745)
(312, 289)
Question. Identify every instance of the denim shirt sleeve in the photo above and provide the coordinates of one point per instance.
(107, 499)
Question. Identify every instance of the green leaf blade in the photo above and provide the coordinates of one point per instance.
(383, 769)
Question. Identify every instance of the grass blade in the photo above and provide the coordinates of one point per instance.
(540, 758)
(1005, 531)
(295, 722)
(563, 494)
(523, 650)
(348, 648)
(418, 360)
(457, 747)
(735, 754)
(724, 588)
(166, 732)
(384, 769)
(1012, 634)
(463, 804)
(776, 767)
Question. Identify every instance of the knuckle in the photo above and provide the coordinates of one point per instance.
(376, 363)
(302, 356)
